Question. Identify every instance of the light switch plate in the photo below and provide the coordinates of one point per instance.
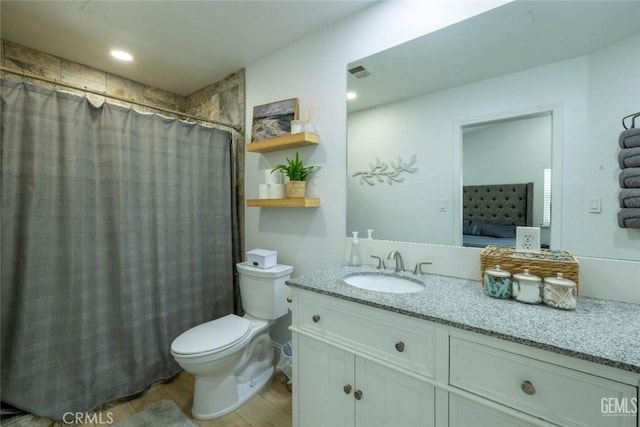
(528, 239)
(595, 205)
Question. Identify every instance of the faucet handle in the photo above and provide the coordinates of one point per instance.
(418, 269)
(380, 262)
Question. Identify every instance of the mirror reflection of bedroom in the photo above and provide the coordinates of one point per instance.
(506, 179)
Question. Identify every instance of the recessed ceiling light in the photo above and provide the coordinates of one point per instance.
(351, 95)
(121, 55)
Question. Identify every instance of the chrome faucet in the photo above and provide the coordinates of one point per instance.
(399, 264)
(381, 265)
(418, 269)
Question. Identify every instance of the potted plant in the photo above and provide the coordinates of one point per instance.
(298, 174)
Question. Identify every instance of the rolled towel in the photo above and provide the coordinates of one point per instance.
(629, 158)
(629, 138)
(629, 218)
(629, 198)
(630, 178)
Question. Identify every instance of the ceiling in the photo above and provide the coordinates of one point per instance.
(510, 38)
(178, 46)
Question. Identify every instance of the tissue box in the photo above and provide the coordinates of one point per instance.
(262, 258)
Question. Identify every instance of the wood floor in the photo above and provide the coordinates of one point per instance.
(269, 408)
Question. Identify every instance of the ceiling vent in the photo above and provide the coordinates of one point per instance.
(359, 72)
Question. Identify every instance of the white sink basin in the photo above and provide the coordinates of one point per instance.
(384, 283)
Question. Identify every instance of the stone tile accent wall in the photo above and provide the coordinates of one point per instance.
(223, 101)
(30, 61)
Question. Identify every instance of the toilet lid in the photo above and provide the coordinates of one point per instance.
(212, 336)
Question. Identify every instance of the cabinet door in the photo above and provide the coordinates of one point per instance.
(465, 413)
(390, 398)
(323, 372)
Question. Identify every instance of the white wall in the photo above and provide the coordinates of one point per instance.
(614, 92)
(313, 70)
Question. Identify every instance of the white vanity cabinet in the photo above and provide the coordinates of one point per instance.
(359, 366)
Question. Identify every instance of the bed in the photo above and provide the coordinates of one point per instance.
(491, 213)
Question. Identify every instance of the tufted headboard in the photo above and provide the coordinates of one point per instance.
(501, 204)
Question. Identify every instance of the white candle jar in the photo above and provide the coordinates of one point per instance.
(527, 288)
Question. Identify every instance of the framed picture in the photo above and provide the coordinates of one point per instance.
(274, 119)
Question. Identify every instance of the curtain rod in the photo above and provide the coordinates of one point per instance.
(119, 98)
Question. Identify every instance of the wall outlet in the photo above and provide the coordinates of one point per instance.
(528, 239)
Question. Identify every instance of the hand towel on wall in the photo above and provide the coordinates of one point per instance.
(629, 138)
(630, 178)
(629, 198)
(629, 158)
(629, 218)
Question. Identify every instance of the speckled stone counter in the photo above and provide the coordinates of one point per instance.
(601, 331)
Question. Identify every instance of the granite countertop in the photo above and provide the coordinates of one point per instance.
(600, 331)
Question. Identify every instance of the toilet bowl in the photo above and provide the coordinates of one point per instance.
(232, 357)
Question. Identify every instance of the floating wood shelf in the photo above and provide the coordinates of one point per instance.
(283, 142)
(306, 202)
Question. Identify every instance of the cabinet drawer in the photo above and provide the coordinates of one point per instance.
(465, 413)
(557, 394)
(406, 342)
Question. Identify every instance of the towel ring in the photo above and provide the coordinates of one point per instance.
(633, 120)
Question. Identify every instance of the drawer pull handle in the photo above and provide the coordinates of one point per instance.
(528, 388)
(315, 318)
(400, 346)
(289, 300)
(357, 394)
(347, 389)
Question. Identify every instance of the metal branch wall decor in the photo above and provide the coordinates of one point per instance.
(381, 172)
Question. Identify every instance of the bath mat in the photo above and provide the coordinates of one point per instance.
(164, 413)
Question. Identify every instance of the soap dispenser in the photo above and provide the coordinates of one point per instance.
(354, 259)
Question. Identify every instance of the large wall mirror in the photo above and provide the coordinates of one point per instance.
(527, 93)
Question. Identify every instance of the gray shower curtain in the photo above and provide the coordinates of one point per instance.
(117, 235)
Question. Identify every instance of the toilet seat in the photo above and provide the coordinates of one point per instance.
(212, 337)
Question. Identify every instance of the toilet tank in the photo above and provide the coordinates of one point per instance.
(263, 290)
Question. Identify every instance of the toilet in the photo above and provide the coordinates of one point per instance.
(232, 357)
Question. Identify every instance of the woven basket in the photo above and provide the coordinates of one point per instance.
(542, 264)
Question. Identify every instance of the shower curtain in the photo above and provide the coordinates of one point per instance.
(118, 234)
